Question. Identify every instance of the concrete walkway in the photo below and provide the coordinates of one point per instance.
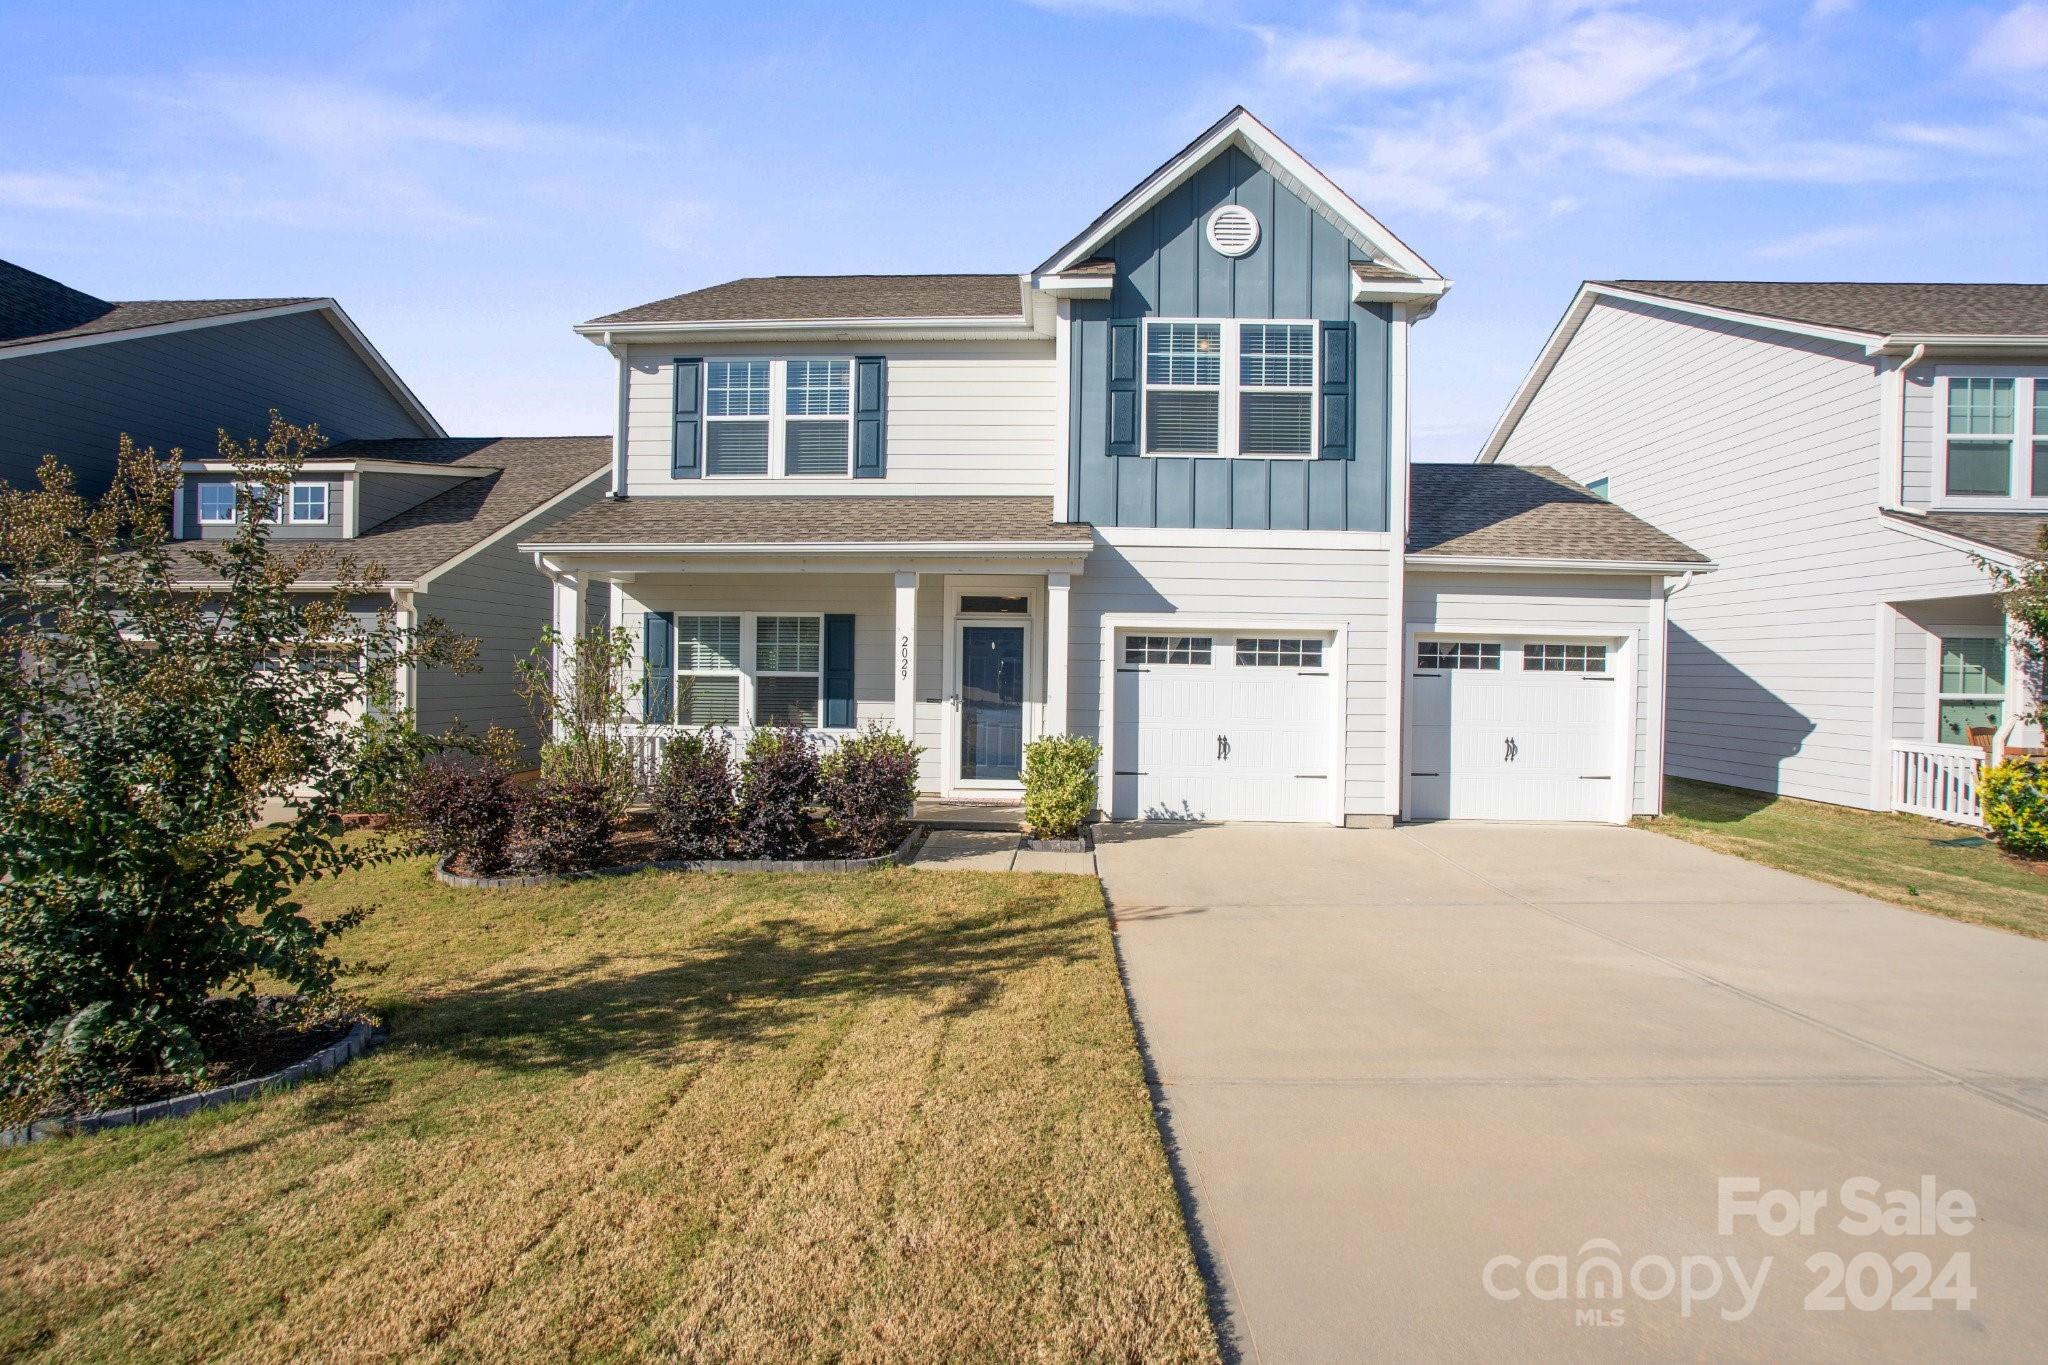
(1387, 1059)
(963, 850)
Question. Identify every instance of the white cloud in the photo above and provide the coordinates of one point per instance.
(2016, 42)
(1608, 60)
(1821, 11)
(1336, 61)
(1818, 163)
(1815, 243)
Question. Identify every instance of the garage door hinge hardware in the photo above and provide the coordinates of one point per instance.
(1425, 774)
(1131, 670)
(1124, 773)
(1592, 677)
(1603, 777)
(1318, 776)
(1429, 675)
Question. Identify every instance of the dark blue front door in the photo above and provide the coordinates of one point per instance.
(991, 703)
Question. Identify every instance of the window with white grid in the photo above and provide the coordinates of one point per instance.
(787, 672)
(1169, 649)
(1454, 654)
(1564, 658)
(1278, 652)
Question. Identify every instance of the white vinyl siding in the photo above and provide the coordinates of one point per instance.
(963, 418)
(1265, 587)
(1532, 607)
(1765, 457)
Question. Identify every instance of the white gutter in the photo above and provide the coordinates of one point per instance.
(1069, 548)
(1474, 563)
(1672, 590)
(1895, 460)
(1004, 326)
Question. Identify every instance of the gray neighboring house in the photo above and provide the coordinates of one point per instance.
(1851, 456)
(77, 372)
(433, 524)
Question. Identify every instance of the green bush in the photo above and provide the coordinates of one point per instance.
(2014, 795)
(867, 788)
(1059, 785)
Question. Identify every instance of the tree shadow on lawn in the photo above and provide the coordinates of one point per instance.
(747, 986)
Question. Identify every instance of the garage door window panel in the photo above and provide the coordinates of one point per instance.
(1191, 650)
(1483, 656)
(1280, 652)
(1564, 658)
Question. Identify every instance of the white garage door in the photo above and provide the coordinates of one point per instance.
(1513, 729)
(1223, 727)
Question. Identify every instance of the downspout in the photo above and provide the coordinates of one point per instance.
(1895, 473)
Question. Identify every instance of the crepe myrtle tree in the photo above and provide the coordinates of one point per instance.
(2024, 593)
(146, 728)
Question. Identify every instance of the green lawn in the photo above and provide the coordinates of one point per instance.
(876, 1116)
(1942, 869)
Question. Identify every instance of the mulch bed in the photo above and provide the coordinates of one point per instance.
(242, 1039)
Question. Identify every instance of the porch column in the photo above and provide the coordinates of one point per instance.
(569, 606)
(903, 654)
(1057, 651)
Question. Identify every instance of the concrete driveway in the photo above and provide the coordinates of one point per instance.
(1397, 1067)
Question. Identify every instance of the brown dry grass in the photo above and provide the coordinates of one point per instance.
(893, 1115)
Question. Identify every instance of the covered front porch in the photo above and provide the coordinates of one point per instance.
(1956, 698)
(960, 644)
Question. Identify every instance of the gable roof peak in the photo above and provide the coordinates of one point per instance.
(1243, 129)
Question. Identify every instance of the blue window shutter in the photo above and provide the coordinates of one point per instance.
(870, 417)
(1123, 389)
(839, 672)
(1336, 392)
(688, 462)
(658, 699)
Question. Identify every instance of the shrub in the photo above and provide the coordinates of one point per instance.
(593, 759)
(390, 749)
(693, 797)
(145, 729)
(1059, 784)
(566, 824)
(867, 788)
(778, 782)
(2014, 795)
(466, 807)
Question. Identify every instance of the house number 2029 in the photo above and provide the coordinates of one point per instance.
(903, 658)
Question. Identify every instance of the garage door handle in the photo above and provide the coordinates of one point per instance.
(1512, 750)
(1223, 747)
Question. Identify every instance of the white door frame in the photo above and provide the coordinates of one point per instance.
(1032, 589)
(1176, 623)
(1621, 656)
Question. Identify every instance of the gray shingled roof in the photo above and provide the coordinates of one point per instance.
(818, 520)
(2017, 533)
(37, 308)
(517, 474)
(1500, 511)
(1880, 309)
(786, 298)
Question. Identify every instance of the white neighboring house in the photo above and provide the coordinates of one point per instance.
(1846, 453)
(1156, 491)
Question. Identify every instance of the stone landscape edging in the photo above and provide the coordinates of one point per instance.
(334, 1056)
(902, 853)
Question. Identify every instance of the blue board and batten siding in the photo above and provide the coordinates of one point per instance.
(1301, 268)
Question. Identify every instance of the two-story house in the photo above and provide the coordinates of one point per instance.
(433, 518)
(1157, 491)
(77, 372)
(1850, 455)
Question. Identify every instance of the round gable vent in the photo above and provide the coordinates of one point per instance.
(1233, 230)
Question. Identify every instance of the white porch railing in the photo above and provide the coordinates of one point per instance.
(645, 744)
(1937, 780)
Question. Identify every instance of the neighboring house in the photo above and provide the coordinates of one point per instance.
(432, 525)
(1155, 491)
(1846, 453)
(77, 372)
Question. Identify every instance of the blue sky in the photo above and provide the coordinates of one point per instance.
(471, 179)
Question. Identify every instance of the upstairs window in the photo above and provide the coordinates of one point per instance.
(780, 418)
(1230, 388)
(216, 504)
(309, 502)
(1277, 375)
(1994, 437)
(1183, 388)
(736, 406)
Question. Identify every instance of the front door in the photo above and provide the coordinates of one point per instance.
(991, 703)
